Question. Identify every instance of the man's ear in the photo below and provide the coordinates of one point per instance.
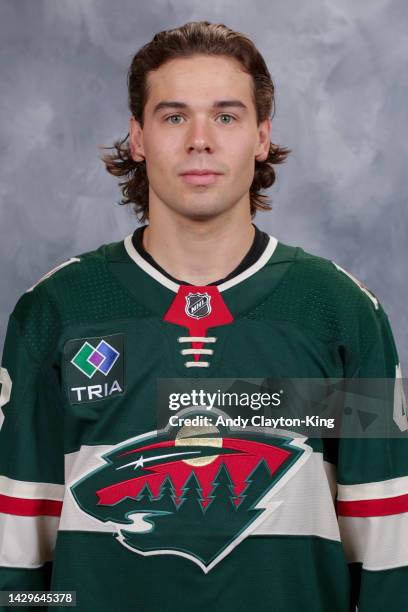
(136, 140)
(264, 140)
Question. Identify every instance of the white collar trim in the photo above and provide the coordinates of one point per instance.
(163, 280)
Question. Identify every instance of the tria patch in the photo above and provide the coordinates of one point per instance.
(94, 368)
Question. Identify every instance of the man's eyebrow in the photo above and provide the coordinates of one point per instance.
(217, 104)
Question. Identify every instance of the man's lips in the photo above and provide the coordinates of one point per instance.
(200, 177)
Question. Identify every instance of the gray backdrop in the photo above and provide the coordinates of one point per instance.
(340, 71)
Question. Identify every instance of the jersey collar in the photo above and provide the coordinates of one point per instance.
(166, 282)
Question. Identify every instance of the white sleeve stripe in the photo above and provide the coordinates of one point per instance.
(373, 490)
(27, 542)
(379, 543)
(31, 490)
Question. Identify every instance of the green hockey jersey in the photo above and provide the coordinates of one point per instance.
(96, 499)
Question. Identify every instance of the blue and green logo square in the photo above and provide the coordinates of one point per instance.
(90, 359)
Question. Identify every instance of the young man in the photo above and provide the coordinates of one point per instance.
(94, 498)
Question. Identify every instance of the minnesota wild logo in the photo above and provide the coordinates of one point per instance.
(196, 493)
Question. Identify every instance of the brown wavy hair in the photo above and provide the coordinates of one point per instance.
(195, 37)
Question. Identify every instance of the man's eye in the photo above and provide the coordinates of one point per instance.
(172, 117)
(229, 116)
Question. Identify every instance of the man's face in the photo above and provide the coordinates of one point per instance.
(196, 134)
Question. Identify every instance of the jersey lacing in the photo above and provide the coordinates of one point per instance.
(197, 351)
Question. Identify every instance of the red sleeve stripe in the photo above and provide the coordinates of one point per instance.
(29, 507)
(374, 507)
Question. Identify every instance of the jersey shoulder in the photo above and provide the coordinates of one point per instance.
(334, 277)
(76, 291)
(324, 299)
(76, 269)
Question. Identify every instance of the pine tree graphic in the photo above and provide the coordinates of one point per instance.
(204, 532)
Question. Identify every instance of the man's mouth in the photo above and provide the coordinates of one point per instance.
(201, 178)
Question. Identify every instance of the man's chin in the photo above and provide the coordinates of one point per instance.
(202, 215)
(200, 211)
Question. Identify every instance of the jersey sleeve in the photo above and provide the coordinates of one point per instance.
(372, 487)
(31, 465)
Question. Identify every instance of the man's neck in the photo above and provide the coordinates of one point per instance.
(200, 252)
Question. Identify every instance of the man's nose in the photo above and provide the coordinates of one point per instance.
(200, 136)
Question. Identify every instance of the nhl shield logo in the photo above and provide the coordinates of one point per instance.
(198, 305)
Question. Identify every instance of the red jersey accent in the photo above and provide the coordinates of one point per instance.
(374, 507)
(30, 507)
(219, 313)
